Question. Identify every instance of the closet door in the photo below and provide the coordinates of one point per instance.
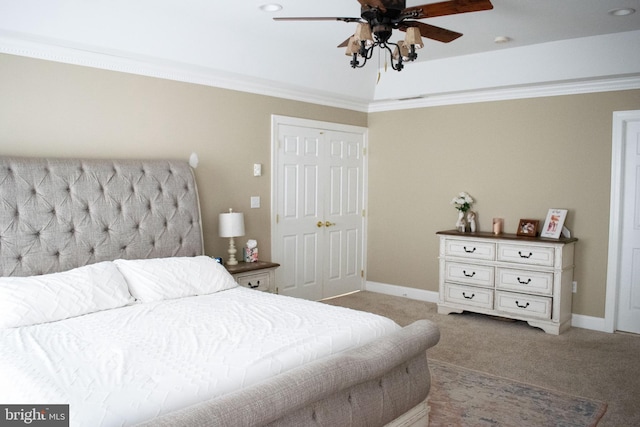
(629, 287)
(318, 215)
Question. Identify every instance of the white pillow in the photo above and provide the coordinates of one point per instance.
(50, 297)
(167, 278)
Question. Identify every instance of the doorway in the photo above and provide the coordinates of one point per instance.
(622, 310)
(318, 215)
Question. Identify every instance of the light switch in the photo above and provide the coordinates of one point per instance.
(257, 169)
(255, 202)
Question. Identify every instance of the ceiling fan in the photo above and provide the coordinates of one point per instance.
(378, 19)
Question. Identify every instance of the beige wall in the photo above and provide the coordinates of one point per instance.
(516, 158)
(54, 109)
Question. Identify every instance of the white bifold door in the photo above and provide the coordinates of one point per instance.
(318, 214)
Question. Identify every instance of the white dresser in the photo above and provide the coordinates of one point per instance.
(524, 278)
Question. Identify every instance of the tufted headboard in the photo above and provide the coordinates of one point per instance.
(58, 214)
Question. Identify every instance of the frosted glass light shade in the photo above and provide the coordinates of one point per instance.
(363, 32)
(413, 37)
(353, 46)
(401, 49)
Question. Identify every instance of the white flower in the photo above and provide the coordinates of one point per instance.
(463, 202)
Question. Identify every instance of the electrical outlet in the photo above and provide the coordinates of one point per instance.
(257, 169)
(255, 202)
(575, 287)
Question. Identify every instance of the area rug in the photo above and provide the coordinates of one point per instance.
(463, 397)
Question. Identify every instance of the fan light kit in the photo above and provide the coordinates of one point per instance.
(378, 19)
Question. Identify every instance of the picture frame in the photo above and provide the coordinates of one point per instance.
(553, 223)
(528, 227)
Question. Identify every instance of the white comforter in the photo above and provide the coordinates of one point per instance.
(126, 365)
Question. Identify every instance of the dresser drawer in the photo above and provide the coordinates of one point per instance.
(470, 249)
(257, 281)
(468, 295)
(471, 274)
(524, 305)
(524, 281)
(525, 254)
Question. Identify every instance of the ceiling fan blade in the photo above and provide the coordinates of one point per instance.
(319, 18)
(431, 31)
(450, 7)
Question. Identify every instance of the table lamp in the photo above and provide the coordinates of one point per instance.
(231, 225)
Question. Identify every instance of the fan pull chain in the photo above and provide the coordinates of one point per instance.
(379, 75)
(386, 63)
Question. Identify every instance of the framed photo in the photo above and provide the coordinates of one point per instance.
(554, 223)
(528, 227)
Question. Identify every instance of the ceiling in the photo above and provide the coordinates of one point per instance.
(216, 42)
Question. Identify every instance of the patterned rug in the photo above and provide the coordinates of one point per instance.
(463, 397)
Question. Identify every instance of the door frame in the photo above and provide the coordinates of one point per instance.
(277, 120)
(619, 127)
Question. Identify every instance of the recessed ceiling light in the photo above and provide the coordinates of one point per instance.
(622, 11)
(501, 39)
(271, 7)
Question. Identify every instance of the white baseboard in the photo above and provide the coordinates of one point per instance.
(402, 291)
(577, 320)
(589, 322)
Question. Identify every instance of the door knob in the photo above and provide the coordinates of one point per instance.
(319, 224)
(329, 224)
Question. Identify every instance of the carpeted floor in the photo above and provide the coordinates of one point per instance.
(594, 365)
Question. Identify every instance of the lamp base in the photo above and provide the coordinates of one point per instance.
(232, 253)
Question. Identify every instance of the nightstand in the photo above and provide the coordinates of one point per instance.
(259, 275)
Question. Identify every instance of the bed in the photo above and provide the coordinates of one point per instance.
(108, 304)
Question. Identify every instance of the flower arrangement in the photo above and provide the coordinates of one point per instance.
(462, 202)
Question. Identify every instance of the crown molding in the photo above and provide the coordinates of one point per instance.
(53, 50)
(56, 51)
(510, 93)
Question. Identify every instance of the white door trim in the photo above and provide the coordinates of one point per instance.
(620, 119)
(277, 120)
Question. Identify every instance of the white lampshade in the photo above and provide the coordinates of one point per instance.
(231, 224)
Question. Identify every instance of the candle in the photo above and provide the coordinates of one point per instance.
(497, 225)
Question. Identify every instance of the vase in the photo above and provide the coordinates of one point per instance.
(461, 224)
(471, 220)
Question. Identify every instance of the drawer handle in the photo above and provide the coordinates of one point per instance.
(465, 295)
(254, 286)
(468, 275)
(469, 251)
(522, 306)
(525, 256)
(522, 282)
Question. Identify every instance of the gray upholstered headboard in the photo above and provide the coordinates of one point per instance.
(58, 214)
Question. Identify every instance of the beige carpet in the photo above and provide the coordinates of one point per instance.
(580, 362)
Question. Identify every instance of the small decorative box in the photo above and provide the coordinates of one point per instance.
(250, 254)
